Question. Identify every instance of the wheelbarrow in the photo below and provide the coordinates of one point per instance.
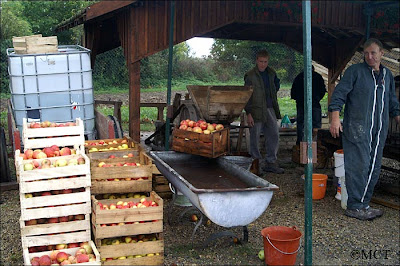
(226, 193)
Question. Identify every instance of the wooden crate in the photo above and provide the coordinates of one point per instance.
(100, 175)
(110, 146)
(152, 215)
(48, 136)
(208, 145)
(161, 186)
(49, 173)
(28, 256)
(35, 44)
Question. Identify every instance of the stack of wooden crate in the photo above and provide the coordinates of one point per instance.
(121, 175)
(35, 44)
(55, 194)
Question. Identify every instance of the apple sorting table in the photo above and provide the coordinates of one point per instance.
(216, 186)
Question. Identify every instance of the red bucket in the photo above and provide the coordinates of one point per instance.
(281, 245)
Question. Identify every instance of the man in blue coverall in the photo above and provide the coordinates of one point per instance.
(368, 91)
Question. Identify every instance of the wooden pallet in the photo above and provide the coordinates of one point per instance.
(208, 145)
(48, 136)
(152, 215)
(100, 175)
(28, 256)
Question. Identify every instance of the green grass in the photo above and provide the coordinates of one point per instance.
(147, 116)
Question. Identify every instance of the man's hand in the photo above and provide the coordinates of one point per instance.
(250, 120)
(336, 126)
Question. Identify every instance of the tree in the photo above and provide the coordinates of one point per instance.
(44, 16)
(12, 23)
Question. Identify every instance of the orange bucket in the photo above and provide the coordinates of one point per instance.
(319, 186)
(281, 245)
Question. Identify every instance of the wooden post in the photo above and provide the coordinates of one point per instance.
(134, 101)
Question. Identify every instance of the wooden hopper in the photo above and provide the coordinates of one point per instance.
(220, 104)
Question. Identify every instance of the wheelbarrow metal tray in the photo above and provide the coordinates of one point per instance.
(226, 193)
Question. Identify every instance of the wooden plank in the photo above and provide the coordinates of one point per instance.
(57, 211)
(129, 229)
(55, 200)
(121, 186)
(98, 9)
(153, 260)
(127, 249)
(54, 228)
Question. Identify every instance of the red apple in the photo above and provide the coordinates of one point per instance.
(44, 260)
(66, 191)
(73, 245)
(31, 222)
(194, 218)
(219, 127)
(130, 155)
(197, 130)
(55, 148)
(111, 156)
(65, 151)
(81, 160)
(80, 258)
(32, 249)
(53, 220)
(28, 154)
(64, 219)
(49, 152)
(53, 254)
(46, 193)
(61, 256)
(183, 127)
(35, 164)
(203, 126)
(184, 122)
(191, 123)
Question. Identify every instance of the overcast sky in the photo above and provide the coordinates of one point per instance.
(200, 46)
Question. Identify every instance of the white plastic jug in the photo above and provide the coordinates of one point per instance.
(344, 195)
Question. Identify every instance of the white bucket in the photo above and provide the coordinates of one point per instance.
(339, 163)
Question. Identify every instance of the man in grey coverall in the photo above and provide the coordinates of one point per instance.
(368, 91)
(262, 111)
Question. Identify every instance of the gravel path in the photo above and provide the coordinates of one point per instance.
(336, 239)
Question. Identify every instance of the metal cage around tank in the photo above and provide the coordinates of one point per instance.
(56, 87)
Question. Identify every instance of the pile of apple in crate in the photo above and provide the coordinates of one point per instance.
(201, 138)
(62, 184)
